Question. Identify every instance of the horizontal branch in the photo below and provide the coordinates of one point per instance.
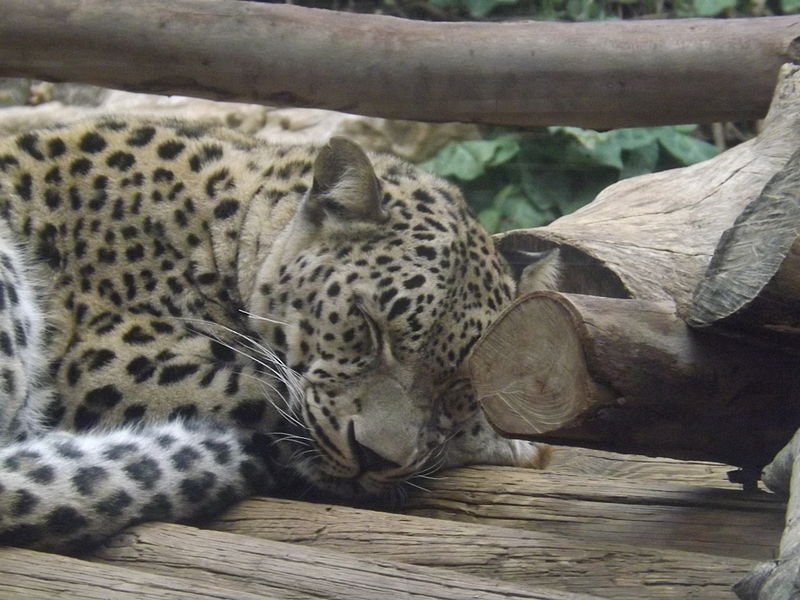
(590, 74)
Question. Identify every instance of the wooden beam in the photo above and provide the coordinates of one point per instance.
(647, 515)
(38, 576)
(602, 74)
(289, 571)
(525, 558)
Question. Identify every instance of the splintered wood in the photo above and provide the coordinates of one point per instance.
(753, 281)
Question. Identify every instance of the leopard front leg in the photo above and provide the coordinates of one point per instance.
(163, 422)
(474, 441)
(68, 492)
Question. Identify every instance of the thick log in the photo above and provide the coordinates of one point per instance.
(780, 578)
(726, 523)
(630, 376)
(521, 557)
(652, 237)
(38, 576)
(753, 280)
(290, 571)
(608, 74)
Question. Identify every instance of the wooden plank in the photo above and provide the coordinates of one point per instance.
(598, 463)
(290, 571)
(30, 575)
(647, 514)
(521, 557)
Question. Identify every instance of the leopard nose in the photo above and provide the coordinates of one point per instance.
(368, 459)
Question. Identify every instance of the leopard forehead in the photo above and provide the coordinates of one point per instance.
(428, 275)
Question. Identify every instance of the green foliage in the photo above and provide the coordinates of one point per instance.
(477, 9)
(588, 10)
(549, 172)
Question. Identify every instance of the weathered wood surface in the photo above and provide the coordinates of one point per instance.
(630, 376)
(652, 237)
(607, 74)
(753, 281)
(25, 574)
(645, 514)
(606, 536)
(290, 571)
(599, 463)
(529, 559)
(780, 578)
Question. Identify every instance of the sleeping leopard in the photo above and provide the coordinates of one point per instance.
(189, 316)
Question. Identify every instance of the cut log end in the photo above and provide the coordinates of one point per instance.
(508, 370)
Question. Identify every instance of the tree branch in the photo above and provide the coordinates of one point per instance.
(590, 74)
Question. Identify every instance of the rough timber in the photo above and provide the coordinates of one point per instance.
(634, 528)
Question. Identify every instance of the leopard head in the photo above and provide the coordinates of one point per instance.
(376, 292)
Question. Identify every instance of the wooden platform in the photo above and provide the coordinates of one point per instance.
(595, 525)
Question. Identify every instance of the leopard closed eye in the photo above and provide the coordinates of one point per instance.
(189, 316)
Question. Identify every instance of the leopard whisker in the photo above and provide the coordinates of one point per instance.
(417, 486)
(260, 318)
(263, 350)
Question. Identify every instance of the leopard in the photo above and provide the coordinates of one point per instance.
(190, 316)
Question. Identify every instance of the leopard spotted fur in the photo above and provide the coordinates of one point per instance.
(189, 316)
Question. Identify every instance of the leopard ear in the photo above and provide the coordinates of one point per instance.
(345, 187)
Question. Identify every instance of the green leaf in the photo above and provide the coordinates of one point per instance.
(687, 149)
(634, 137)
(592, 148)
(478, 9)
(790, 6)
(490, 219)
(639, 161)
(711, 8)
(469, 160)
(516, 211)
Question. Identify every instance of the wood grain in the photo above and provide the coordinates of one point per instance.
(646, 514)
(599, 463)
(289, 571)
(753, 281)
(518, 556)
(26, 574)
(629, 375)
(608, 74)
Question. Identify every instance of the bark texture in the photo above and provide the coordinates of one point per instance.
(630, 376)
(780, 578)
(608, 74)
(753, 281)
